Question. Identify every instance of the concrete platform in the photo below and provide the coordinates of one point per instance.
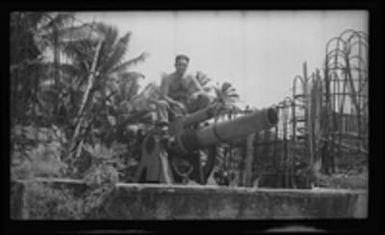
(168, 202)
(148, 201)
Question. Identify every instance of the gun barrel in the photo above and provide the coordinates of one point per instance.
(228, 130)
(199, 116)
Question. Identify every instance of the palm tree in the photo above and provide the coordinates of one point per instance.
(48, 36)
(48, 33)
(33, 35)
(204, 80)
(111, 66)
(78, 45)
(103, 73)
(226, 95)
(95, 71)
(24, 59)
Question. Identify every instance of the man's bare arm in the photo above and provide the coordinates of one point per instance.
(164, 85)
(196, 84)
(164, 88)
(195, 87)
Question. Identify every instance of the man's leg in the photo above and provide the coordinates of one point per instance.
(162, 113)
(201, 102)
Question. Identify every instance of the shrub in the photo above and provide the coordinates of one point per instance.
(36, 152)
(45, 202)
(43, 161)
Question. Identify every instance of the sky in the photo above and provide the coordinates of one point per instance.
(259, 52)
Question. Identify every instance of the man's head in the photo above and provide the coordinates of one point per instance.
(181, 64)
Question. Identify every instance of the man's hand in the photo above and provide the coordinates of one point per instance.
(174, 104)
(196, 94)
(179, 105)
(199, 94)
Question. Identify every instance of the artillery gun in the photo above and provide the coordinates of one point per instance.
(174, 153)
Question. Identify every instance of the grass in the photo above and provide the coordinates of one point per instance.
(343, 181)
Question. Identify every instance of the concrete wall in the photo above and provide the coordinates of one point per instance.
(152, 201)
(208, 202)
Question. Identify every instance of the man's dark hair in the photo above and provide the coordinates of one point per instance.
(180, 57)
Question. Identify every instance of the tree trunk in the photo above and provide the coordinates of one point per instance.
(56, 57)
(91, 80)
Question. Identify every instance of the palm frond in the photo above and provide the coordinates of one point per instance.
(71, 70)
(110, 35)
(82, 50)
(57, 21)
(117, 55)
(123, 67)
(35, 17)
(74, 33)
(131, 88)
(234, 96)
(130, 76)
(203, 79)
(226, 94)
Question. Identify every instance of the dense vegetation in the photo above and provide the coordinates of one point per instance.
(77, 110)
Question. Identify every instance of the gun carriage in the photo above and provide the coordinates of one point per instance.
(186, 149)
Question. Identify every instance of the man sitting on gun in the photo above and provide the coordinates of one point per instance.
(183, 90)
